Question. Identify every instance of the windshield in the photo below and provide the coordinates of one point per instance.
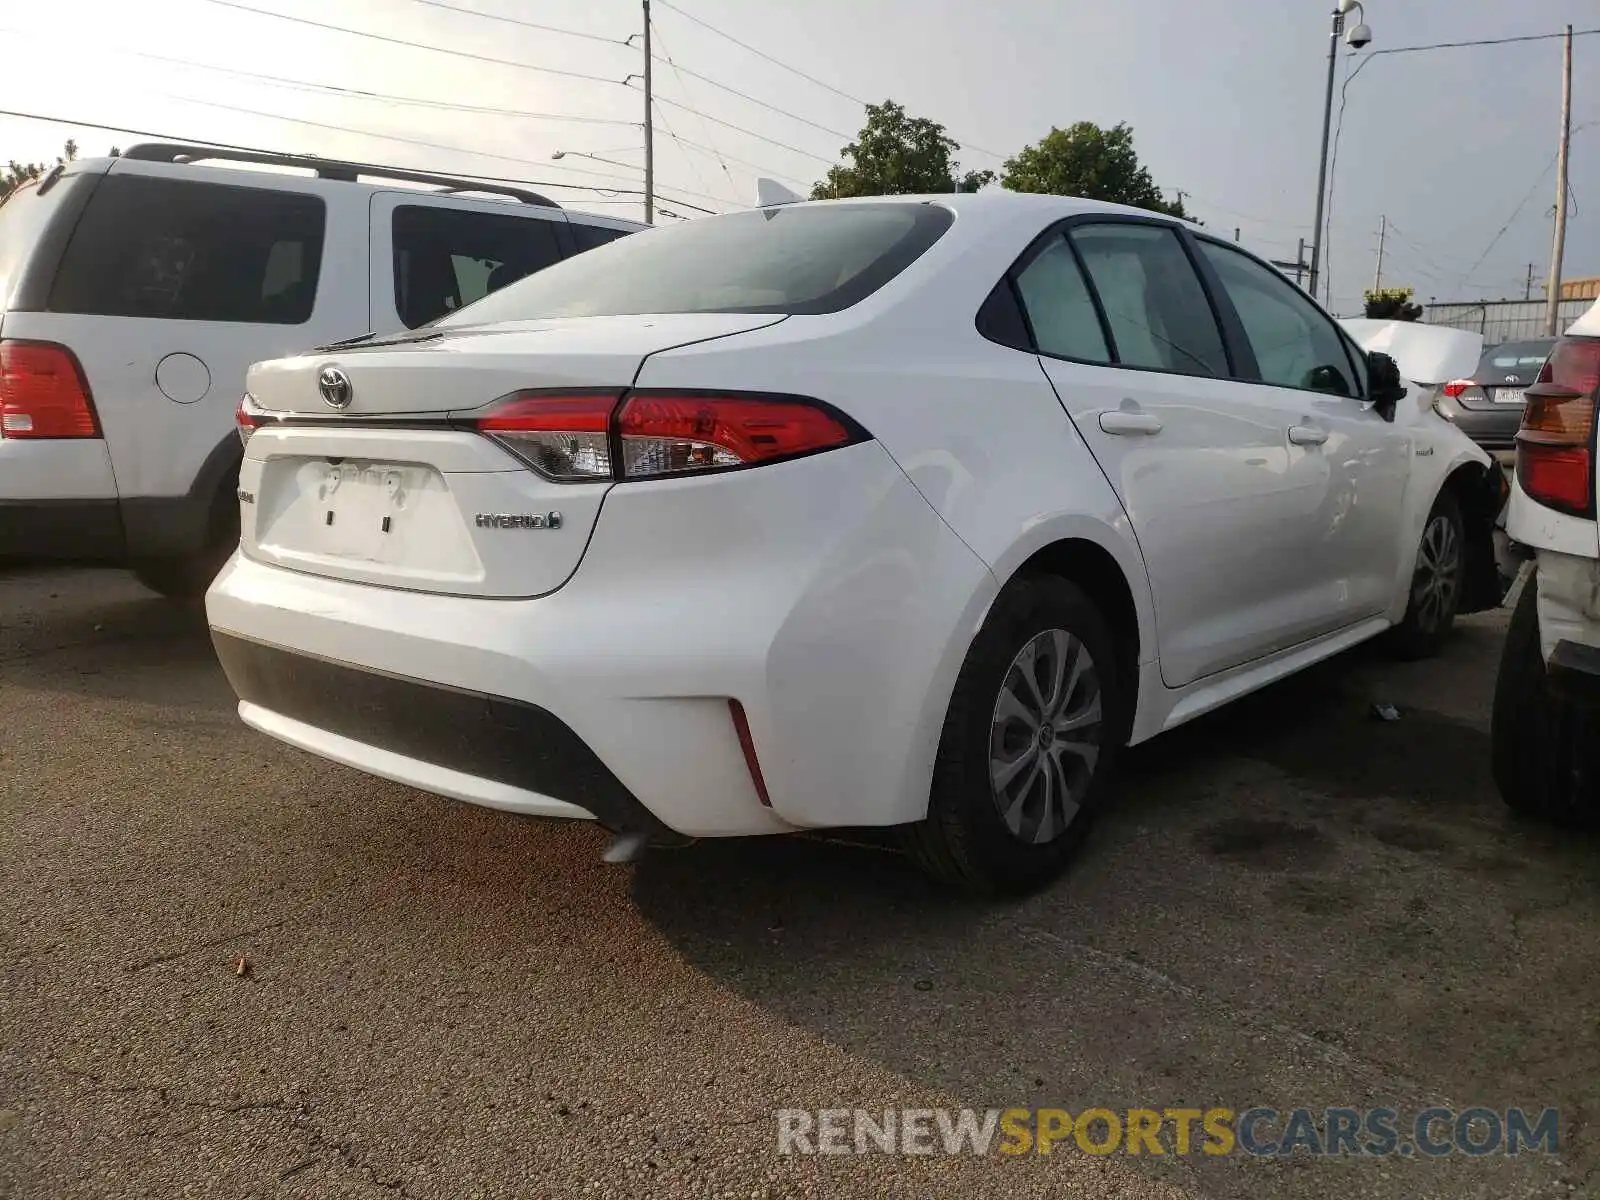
(805, 259)
(1518, 358)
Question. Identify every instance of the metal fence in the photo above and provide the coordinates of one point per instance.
(1504, 320)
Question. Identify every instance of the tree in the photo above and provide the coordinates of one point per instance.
(1088, 161)
(1391, 304)
(16, 174)
(898, 155)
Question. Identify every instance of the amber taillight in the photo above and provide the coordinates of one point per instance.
(1555, 446)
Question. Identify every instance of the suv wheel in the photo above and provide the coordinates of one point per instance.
(188, 577)
(1435, 584)
(1029, 744)
(1541, 747)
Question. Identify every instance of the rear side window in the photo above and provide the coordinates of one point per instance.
(803, 259)
(589, 237)
(1153, 300)
(1059, 307)
(24, 216)
(188, 251)
(447, 258)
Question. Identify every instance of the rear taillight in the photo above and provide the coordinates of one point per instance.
(564, 437)
(651, 434)
(43, 393)
(1458, 387)
(1555, 446)
(247, 418)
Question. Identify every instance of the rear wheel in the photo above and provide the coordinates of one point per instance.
(1029, 744)
(1542, 748)
(187, 577)
(1436, 583)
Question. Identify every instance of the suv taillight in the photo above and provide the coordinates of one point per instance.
(43, 393)
(573, 437)
(1555, 446)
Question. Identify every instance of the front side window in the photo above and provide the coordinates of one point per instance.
(1295, 344)
(1153, 299)
(188, 251)
(801, 259)
(448, 258)
(1059, 307)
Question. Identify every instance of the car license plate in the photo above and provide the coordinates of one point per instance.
(360, 503)
(1509, 395)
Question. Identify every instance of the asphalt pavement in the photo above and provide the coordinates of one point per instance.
(230, 969)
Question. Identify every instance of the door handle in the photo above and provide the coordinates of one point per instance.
(1307, 435)
(1123, 423)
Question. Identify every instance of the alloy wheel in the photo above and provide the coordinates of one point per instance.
(1438, 576)
(1044, 736)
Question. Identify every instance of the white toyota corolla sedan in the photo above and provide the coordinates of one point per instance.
(899, 512)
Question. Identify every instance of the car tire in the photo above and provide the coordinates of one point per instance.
(996, 830)
(1436, 583)
(188, 576)
(1542, 748)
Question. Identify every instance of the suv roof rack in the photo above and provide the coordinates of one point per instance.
(326, 168)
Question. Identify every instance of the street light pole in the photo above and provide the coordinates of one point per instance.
(1322, 158)
(649, 129)
(1357, 37)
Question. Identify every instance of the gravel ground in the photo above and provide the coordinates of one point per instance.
(1293, 904)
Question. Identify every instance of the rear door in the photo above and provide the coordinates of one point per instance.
(175, 280)
(432, 255)
(1201, 462)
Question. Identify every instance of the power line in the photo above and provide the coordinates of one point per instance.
(671, 132)
(740, 129)
(1505, 41)
(371, 168)
(732, 91)
(472, 12)
(360, 93)
(809, 78)
(394, 41)
(743, 162)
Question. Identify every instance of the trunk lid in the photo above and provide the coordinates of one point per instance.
(382, 491)
(435, 371)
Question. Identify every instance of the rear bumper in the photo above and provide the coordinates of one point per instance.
(1493, 429)
(468, 742)
(58, 499)
(824, 595)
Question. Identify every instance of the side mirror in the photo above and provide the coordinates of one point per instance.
(1384, 387)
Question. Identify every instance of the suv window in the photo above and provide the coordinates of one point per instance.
(1153, 299)
(187, 251)
(804, 259)
(24, 215)
(1295, 344)
(447, 258)
(1059, 308)
(590, 236)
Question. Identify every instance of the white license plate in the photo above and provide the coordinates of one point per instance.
(1508, 395)
(359, 507)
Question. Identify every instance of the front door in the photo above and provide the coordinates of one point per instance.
(1308, 367)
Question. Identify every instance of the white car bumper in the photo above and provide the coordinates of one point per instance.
(824, 596)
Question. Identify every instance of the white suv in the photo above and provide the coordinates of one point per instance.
(1546, 728)
(135, 291)
(906, 511)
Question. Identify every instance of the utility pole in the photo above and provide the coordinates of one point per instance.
(1322, 159)
(1300, 264)
(1383, 236)
(1527, 291)
(649, 130)
(1236, 233)
(1552, 304)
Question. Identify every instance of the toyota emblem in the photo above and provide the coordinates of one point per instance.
(1513, 378)
(335, 387)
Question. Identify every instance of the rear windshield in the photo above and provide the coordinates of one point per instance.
(1515, 357)
(190, 251)
(806, 259)
(23, 217)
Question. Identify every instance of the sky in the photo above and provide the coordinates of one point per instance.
(1455, 147)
